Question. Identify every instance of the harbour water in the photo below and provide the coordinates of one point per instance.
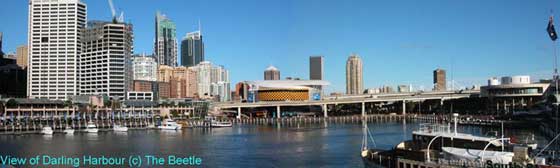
(243, 145)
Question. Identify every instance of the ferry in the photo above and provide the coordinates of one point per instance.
(91, 127)
(216, 124)
(47, 130)
(169, 124)
(436, 146)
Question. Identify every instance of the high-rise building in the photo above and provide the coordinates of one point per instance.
(165, 47)
(316, 68)
(105, 63)
(144, 68)
(213, 81)
(439, 80)
(182, 81)
(192, 49)
(404, 88)
(1, 53)
(271, 73)
(55, 44)
(13, 79)
(354, 75)
(21, 56)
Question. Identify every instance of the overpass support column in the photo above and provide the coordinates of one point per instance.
(403, 107)
(278, 113)
(238, 112)
(325, 111)
(363, 109)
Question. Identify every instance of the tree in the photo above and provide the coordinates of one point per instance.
(11, 103)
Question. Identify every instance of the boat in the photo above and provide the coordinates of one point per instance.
(438, 146)
(215, 123)
(169, 124)
(47, 130)
(91, 128)
(119, 128)
(68, 130)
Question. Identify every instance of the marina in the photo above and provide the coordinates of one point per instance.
(333, 143)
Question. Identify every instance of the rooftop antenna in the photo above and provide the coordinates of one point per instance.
(199, 27)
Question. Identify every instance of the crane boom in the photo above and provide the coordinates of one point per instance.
(112, 8)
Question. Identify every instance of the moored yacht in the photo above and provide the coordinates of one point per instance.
(91, 127)
(119, 128)
(169, 124)
(47, 130)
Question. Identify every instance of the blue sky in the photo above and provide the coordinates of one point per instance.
(400, 41)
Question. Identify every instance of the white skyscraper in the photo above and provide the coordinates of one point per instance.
(105, 63)
(213, 81)
(54, 42)
(144, 68)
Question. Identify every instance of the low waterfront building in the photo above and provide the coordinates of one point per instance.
(146, 86)
(284, 90)
(148, 96)
(511, 94)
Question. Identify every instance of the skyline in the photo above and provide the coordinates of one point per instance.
(511, 42)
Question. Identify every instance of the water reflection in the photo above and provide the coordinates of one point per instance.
(296, 144)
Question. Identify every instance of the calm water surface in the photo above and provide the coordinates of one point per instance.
(311, 145)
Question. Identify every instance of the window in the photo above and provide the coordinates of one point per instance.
(44, 39)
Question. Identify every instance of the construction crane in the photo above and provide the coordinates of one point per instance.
(120, 19)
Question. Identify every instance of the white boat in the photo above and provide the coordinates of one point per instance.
(215, 123)
(47, 130)
(118, 128)
(169, 124)
(91, 128)
(475, 154)
(68, 130)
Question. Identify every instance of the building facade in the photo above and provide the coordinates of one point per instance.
(439, 80)
(404, 88)
(192, 49)
(165, 47)
(271, 73)
(316, 68)
(213, 81)
(182, 81)
(105, 62)
(54, 40)
(21, 56)
(514, 95)
(281, 90)
(144, 68)
(354, 75)
(13, 79)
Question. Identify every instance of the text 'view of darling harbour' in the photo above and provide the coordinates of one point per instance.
(76, 95)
